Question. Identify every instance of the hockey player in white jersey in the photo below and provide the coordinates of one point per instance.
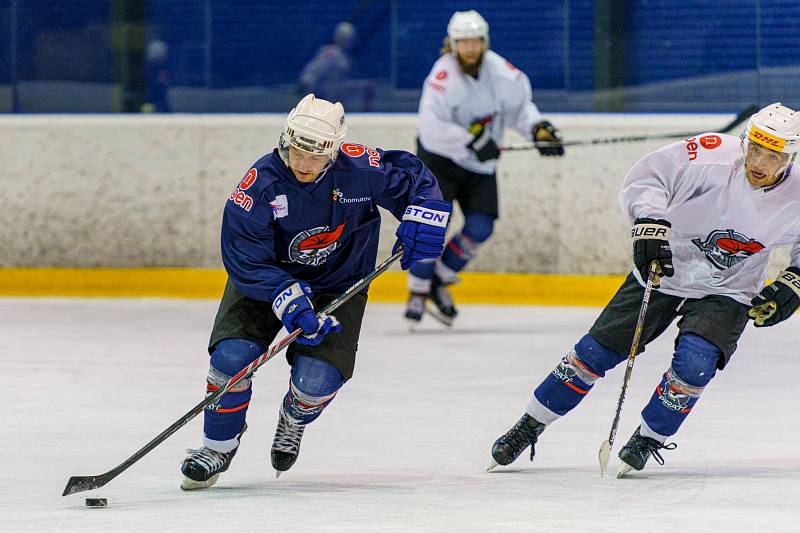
(470, 97)
(708, 210)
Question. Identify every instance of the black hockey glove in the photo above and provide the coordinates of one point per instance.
(547, 140)
(651, 243)
(482, 144)
(777, 301)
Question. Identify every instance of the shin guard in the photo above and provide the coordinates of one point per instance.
(225, 418)
(312, 386)
(693, 367)
(461, 249)
(564, 388)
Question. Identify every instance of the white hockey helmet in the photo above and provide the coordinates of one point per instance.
(314, 126)
(775, 127)
(467, 25)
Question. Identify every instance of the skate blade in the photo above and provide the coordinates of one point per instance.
(191, 484)
(623, 469)
(604, 455)
(412, 324)
(494, 464)
(441, 318)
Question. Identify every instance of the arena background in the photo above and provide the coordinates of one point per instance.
(126, 123)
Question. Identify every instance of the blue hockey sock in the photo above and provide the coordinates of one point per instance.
(312, 387)
(224, 419)
(693, 366)
(564, 388)
(461, 248)
(423, 270)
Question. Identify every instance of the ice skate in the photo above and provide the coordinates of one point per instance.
(286, 445)
(508, 447)
(440, 303)
(202, 467)
(635, 453)
(414, 309)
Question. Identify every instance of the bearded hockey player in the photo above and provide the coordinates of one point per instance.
(299, 229)
(708, 210)
(470, 97)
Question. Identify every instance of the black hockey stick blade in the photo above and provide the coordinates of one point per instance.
(741, 117)
(82, 483)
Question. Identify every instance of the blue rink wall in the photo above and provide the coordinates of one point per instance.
(99, 205)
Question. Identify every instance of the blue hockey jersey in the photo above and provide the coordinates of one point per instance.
(275, 228)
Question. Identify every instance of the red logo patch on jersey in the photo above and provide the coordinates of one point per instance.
(709, 142)
(245, 201)
(511, 66)
(353, 150)
(727, 248)
(248, 180)
(321, 240)
(732, 246)
(441, 75)
(437, 86)
(357, 150)
(313, 246)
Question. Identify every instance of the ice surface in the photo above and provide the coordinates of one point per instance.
(402, 448)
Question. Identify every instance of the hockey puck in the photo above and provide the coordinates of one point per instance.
(96, 502)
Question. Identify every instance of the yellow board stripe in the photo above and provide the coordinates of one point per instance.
(476, 287)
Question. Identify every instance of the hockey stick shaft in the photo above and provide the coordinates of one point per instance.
(605, 447)
(82, 483)
(738, 120)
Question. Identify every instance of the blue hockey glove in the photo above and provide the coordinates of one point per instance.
(421, 232)
(777, 301)
(292, 305)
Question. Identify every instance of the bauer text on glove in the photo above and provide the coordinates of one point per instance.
(651, 243)
(777, 301)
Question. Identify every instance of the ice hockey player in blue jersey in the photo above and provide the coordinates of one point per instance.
(298, 230)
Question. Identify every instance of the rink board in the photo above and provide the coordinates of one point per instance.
(476, 287)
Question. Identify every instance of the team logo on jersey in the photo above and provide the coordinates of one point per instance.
(441, 75)
(338, 196)
(313, 246)
(726, 248)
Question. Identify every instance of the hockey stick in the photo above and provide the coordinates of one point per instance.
(82, 483)
(605, 448)
(738, 120)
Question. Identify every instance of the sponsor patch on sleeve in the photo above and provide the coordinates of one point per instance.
(241, 198)
(280, 206)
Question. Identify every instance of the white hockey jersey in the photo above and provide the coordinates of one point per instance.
(452, 100)
(723, 229)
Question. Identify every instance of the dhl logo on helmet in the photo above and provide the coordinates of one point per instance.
(766, 140)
